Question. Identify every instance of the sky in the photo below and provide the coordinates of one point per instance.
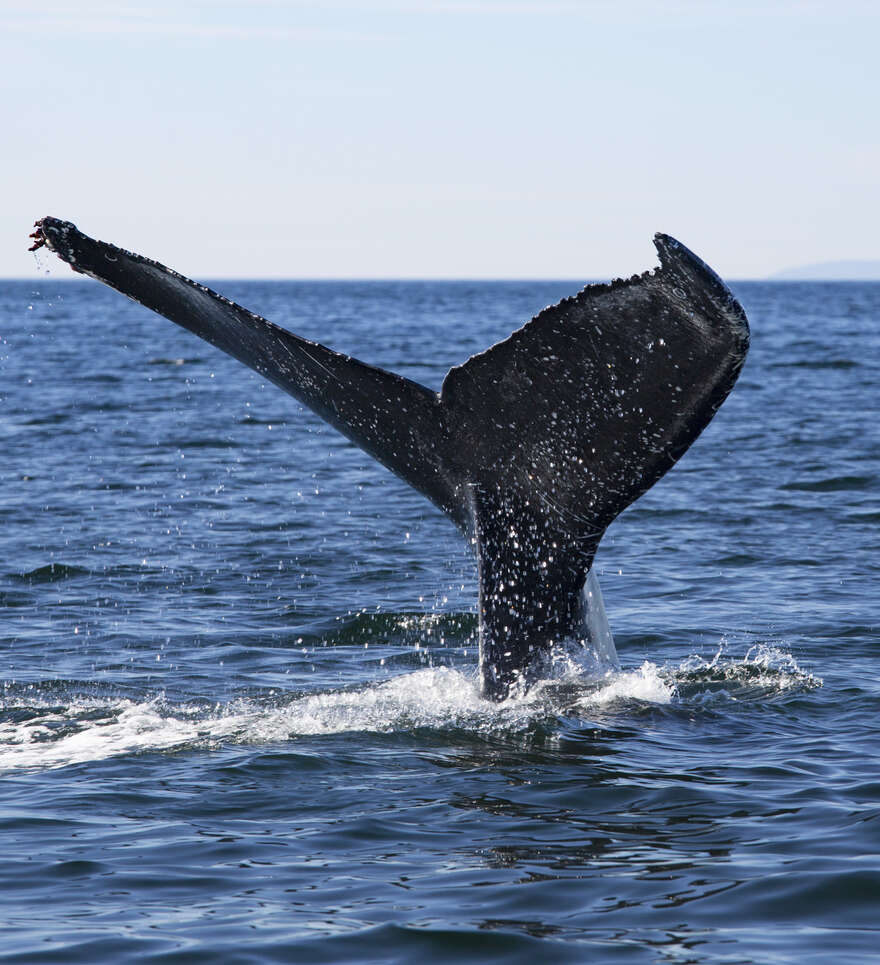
(443, 138)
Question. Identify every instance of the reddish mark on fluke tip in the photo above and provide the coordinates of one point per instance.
(38, 236)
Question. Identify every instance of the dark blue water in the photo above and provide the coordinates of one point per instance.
(239, 720)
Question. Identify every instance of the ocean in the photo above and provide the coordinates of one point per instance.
(239, 715)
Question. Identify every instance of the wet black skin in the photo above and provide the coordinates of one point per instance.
(531, 448)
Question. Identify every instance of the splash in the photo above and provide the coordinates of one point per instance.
(94, 729)
(53, 732)
(648, 684)
(765, 672)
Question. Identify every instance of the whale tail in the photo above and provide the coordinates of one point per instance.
(532, 447)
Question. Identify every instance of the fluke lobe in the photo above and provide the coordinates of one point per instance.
(532, 447)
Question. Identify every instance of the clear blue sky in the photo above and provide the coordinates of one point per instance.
(444, 138)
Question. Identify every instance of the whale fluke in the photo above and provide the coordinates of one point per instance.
(532, 447)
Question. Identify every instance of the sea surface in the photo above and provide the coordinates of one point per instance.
(239, 719)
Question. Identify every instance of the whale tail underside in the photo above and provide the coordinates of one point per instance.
(568, 421)
(532, 447)
(394, 419)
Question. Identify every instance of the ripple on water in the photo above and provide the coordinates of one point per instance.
(49, 573)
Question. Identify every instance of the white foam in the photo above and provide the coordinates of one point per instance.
(648, 684)
(93, 729)
(430, 698)
(131, 728)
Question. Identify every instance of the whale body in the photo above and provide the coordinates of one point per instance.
(531, 447)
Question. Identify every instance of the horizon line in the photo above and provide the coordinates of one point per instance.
(207, 279)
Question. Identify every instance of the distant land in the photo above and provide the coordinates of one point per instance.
(831, 271)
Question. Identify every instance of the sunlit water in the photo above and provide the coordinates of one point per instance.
(239, 718)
